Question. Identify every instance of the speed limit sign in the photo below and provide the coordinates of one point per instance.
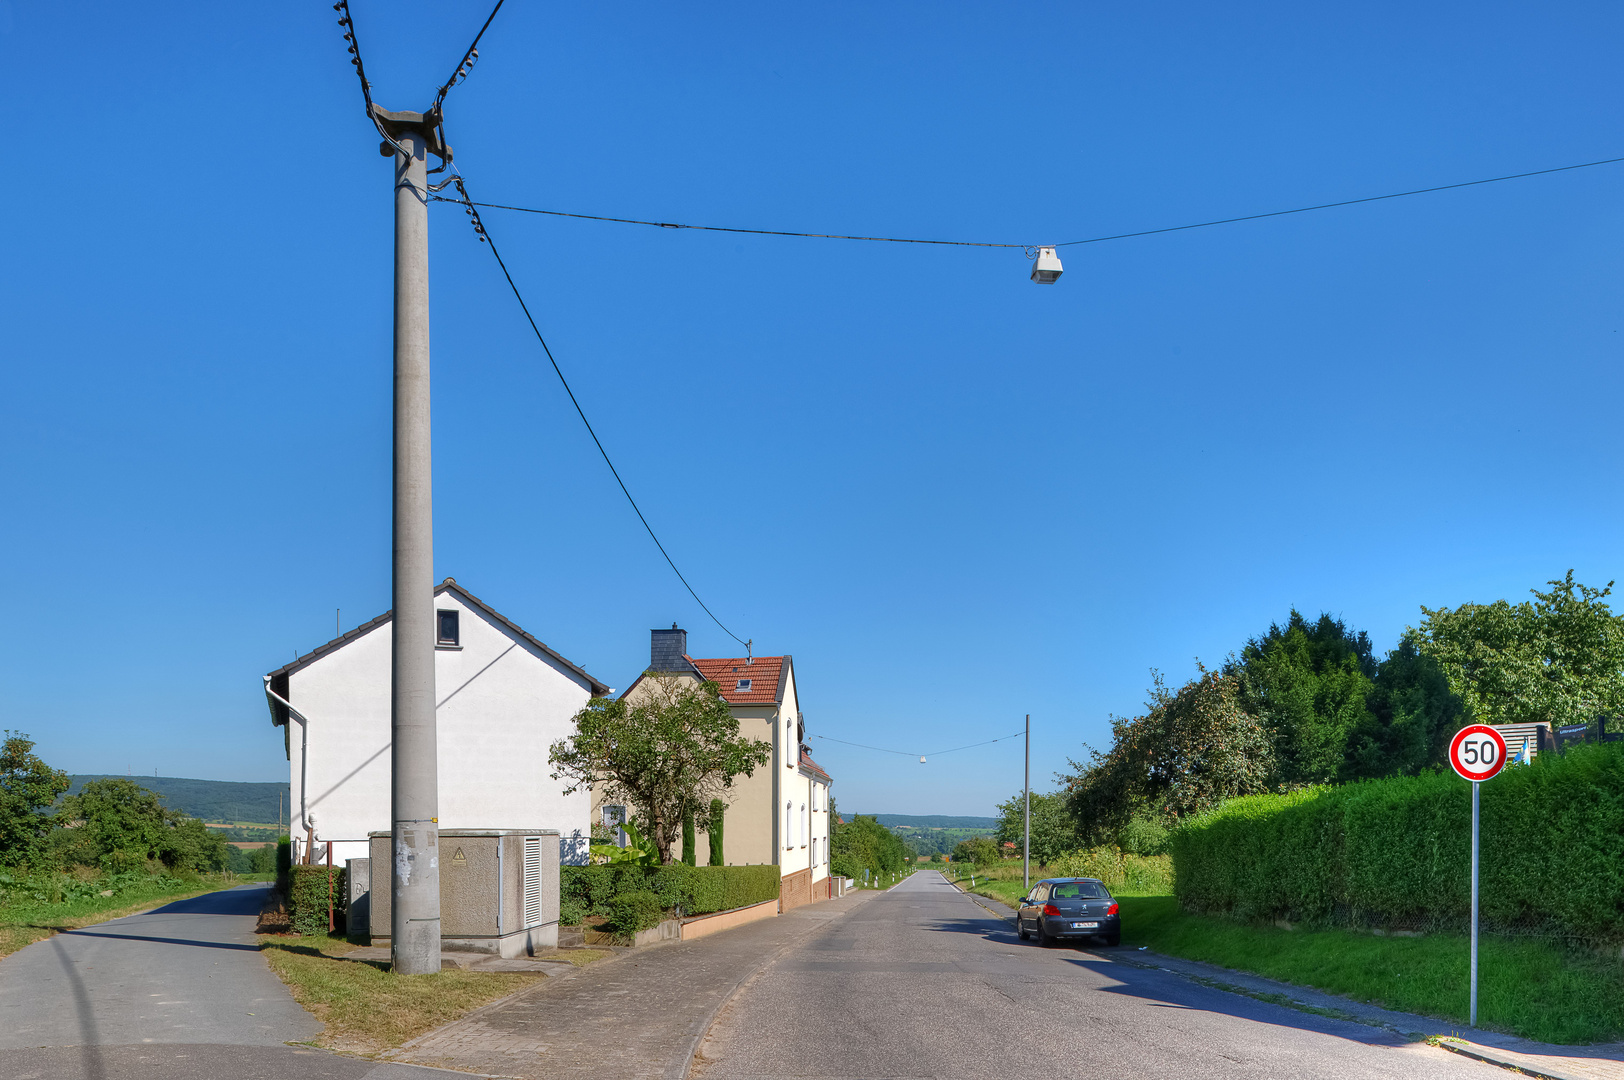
(1477, 752)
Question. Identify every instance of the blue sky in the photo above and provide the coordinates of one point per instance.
(956, 497)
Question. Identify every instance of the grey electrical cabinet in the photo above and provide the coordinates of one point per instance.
(498, 890)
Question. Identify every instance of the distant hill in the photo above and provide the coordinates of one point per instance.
(211, 800)
(935, 821)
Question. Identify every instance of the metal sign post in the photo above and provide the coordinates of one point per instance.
(1477, 753)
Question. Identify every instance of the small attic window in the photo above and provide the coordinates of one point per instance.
(744, 684)
(447, 628)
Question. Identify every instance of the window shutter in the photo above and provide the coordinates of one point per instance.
(532, 881)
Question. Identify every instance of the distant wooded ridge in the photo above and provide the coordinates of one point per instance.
(211, 800)
(935, 821)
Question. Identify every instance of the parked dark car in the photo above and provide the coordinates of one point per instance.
(1059, 908)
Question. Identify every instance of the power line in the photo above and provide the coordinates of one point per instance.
(755, 232)
(905, 753)
(1345, 202)
(484, 235)
(1068, 243)
(348, 23)
(469, 59)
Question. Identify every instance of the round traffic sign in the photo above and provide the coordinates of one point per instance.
(1477, 752)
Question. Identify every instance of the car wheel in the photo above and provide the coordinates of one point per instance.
(1113, 939)
(1044, 940)
(1020, 929)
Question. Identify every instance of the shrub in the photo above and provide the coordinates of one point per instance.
(634, 911)
(571, 912)
(307, 901)
(698, 890)
(1120, 871)
(1398, 850)
(717, 809)
(1143, 836)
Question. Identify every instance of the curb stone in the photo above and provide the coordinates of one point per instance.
(1494, 1057)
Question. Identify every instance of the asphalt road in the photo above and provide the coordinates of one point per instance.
(180, 993)
(924, 982)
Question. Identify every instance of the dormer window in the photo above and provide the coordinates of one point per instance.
(447, 629)
(744, 684)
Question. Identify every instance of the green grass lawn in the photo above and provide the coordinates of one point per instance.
(24, 920)
(1531, 988)
(366, 1009)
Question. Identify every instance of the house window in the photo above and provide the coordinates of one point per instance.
(789, 837)
(613, 818)
(744, 684)
(447, 628)
(804, 831)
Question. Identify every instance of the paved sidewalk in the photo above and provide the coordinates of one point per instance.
(637, 1017)
(1603, 1061)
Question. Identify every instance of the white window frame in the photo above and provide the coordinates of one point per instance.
(806, 826)
(789, 811)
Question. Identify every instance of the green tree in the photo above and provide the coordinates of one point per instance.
(28, 787)
(864, 844)
(1054, 830)
(1307, 683)
(1557, 659)
(979, 850)
(1191, 750)
(667, 754)
(1412, 715)
(117, 824)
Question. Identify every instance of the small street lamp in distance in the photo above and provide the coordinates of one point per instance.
(1046, 268)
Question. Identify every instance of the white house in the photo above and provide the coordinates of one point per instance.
(504, 697)
(780, 814)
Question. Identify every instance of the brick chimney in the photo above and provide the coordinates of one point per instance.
(666, 649)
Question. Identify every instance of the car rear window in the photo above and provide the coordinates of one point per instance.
(1080, 890)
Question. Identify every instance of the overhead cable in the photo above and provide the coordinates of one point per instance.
(485, 236)
(1033, 247)
(921, 757)
(469, 58)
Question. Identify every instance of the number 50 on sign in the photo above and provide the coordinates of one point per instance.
(1477, 752)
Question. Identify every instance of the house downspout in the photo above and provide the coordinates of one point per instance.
(304, 746)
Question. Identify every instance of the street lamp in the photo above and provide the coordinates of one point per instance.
(1046, 268)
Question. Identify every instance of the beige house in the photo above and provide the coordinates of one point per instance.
(780, 815)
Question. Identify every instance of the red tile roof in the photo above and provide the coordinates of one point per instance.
(814, 768)
(763, 674)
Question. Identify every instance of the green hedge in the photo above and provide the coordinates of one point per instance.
(307, 898)
(698, 890)
(1388, 852)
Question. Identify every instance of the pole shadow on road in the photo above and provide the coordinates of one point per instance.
(1168, 990)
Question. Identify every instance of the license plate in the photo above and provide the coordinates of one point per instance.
(1085, 926)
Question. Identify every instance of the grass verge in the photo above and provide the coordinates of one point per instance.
(366, 1009)
(1535, 989)
(25, 923)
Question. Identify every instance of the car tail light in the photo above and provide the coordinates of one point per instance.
(1112, 910)
(1050, 909)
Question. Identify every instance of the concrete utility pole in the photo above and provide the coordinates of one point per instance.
(1026, 849)
(415, 796)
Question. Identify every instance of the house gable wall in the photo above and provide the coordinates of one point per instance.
(501, 703)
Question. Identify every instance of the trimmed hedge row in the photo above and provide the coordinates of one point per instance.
(699, 890)
(307, 898)
(1383, 852)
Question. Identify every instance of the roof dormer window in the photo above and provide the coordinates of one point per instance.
(744, 684)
